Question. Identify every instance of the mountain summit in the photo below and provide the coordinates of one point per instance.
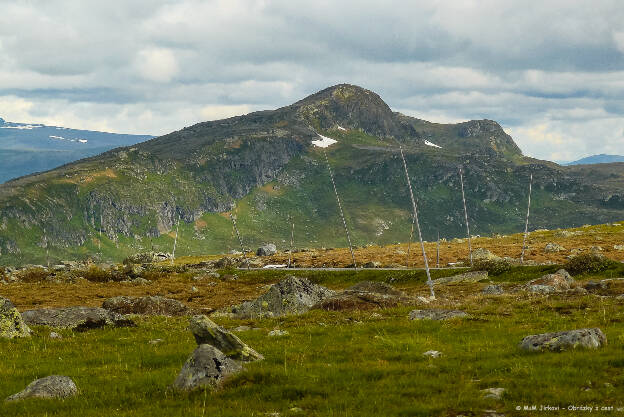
(264, 169)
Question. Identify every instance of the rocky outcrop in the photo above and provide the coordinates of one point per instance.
(559, 281)
(149, 305)
(436, 314)
(559, 341)
(206, 367)
(75, 318)
(292, 295)
(11, 322)
(367, 295)
(147, 258)
(53, 386)
(208, 332)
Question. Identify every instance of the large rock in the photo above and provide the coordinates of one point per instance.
(149, 305)
(75, 318)
(267, 250)
(292, 295)
(559, 281)
(471, 276)
(436, 314)
(206, 367)
(484, 254)
(11, 322)
(53, 386)
(208, 332)
(552, 247)
(365, 295)
(147, 257)
(560, 341)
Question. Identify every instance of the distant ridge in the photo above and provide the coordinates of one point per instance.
(597, 159)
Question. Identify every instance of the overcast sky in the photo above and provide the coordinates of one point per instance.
(551, 72)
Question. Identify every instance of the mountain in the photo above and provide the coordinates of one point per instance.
(264, 169)
(29, 148)
(597, 159)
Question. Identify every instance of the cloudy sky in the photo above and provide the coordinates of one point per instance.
(551, 71)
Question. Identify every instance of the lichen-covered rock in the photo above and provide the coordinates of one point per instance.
(149, 305)
(53, 386)
(436, 314)
(267, 250)
(493, 290)
(206, 367)
(559, 281)
(147, 257)
(552, 247)
(75, 318)
(292, 295)
(11, 322)
(208, 332)
(559, 341)
(471, 276)
(367, 295)
(484, 254)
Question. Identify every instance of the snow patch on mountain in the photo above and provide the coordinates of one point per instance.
(324, 142)
(432, 144)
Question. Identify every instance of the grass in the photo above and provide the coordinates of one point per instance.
(331, 363)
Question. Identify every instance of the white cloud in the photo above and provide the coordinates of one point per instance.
(157, 64)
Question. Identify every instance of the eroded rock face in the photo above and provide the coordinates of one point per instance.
(75, 318)
(207, 366)
(11, 322)
(367, 295)
(559, 341)
(436, 314)
(208, 332)
(292, 295)
(53, 386)
(149, 305)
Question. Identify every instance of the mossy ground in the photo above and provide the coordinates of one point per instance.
(331, 363)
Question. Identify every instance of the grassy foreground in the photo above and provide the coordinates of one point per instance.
(359, 363)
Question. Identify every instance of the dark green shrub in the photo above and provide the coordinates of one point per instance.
(589, 263)
(492, 266)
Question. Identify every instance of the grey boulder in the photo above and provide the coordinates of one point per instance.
(267, 250)
(206, 367)
(471, 276)
(11, 322)
(493, 290)
(436, 314)
(53, 386)
(75, 318)
(559, 341)
(292, 295)
(208, 332)
(149, 305)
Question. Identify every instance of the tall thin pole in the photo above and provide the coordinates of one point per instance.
(409, 243)
(526, 224)
(438, 251)
(292, 239)
(240, 239)
(45, 239)
(461, 178)
(100, 238)
(344, 223)
(175, 241)
(415, 209)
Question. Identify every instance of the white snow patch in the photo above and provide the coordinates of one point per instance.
(341, 128)
(432, 144)
(276, 266)
(57, 137)
(324, 142)
(83, 140)
(21, 127)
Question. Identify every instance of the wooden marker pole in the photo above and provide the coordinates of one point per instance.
(175, 241)
(415, 209)
(461, 178)
(240, 239)
(526, 224)
(292, 239)
(438, 252)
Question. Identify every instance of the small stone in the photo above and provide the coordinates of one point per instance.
(53, 386)
(432, 353)
(155, 341)
(493, 290)
(194, 289)
(278, 333)
(493, 393)
(241, 329)
(55, 335)
(372, 264)
(436, 314)
(541, 289)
